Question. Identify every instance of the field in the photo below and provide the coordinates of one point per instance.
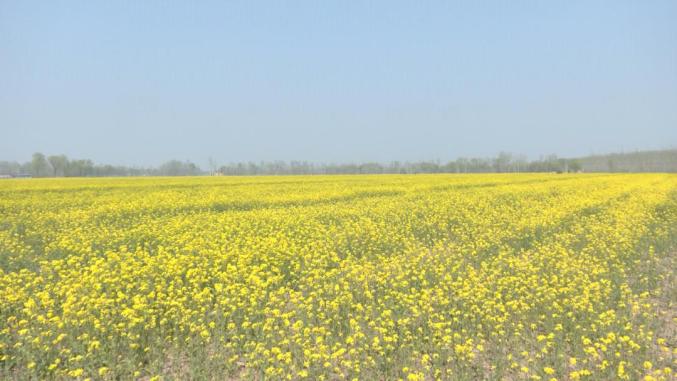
(420, 277)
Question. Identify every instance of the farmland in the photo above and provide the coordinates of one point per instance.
(416, 277)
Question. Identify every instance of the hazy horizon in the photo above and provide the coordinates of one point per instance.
(141, 83)
(206, 164)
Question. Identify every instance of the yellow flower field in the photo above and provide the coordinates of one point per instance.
(419, 277)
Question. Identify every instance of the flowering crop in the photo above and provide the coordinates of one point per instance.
(461, 277)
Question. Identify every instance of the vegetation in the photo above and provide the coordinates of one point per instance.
(640, 161)
(61, 166)
(503, 163)
(644, 161)
(464, 277)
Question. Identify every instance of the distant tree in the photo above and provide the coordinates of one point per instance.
(80, 168)
(521, 163)
(462, 164)
(212, 166)
(553, 164)
(58, 164)
(371, 168)
(39, 166)
(10, 168)
(502, 162)
(574, 165)
(178, 168)
(171, 168)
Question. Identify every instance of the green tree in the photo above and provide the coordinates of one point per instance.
(59, 164)
(39, 166)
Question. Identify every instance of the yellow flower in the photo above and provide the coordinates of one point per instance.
(76, 372)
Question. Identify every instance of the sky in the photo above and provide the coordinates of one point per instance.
(142, 82)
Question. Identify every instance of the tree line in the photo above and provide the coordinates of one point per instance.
(639, 161)
(41, 165)
(504, 162)
(61, 166)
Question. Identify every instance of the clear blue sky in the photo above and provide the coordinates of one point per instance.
(140, 82)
